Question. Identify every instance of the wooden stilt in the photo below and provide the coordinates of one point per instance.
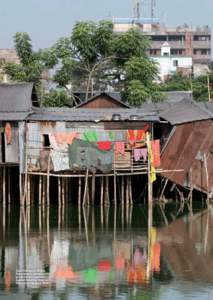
(115, 189)
(122, 190)
(79, 192)
(130, 190)
(4, 186)
(127, 192)
(48, 181)
(93, 189)
(39, 190)
(102, 190)
(8, 186)
(85, 187)
(59, 202)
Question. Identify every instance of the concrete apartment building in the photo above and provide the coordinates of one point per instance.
(184, 41)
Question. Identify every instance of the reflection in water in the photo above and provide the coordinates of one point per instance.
(104, 253)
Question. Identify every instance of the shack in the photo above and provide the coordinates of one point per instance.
(190, 145)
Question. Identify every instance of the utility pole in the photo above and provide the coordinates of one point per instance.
(209, 88)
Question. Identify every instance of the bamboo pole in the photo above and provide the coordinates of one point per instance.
(93, 189)
(102, 190)
(115, 189)
(48, 180)
(4, 186)
(85, 187)
(39, 190)
(8, 186)
(79, 192)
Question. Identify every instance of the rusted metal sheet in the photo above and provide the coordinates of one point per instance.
(12, 148)
(186, 150)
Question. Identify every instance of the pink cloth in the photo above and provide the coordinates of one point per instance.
(140, 153)
(65, 138)
(120, 148)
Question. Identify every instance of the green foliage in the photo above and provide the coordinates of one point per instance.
(92, 57)
(56, 98)
(198, 85)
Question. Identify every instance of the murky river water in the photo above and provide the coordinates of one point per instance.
(103, 254)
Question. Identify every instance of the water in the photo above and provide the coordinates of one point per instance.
(105, 254)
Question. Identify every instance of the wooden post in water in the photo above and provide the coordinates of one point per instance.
(48, 180)
(79, 192)
(8, 186)
(150, 207)
(4, 186)
(207, 178)
(39, 190)
(115, 189)
(102, 191)
(93, 189)
(85, 187)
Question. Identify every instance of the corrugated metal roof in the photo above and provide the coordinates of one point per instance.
(13, 116)
(15, 97)
(72, 114)
(185, 111)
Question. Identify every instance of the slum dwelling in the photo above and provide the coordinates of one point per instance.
(59, 149)
(190, 145)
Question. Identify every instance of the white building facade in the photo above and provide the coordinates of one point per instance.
(169, 65)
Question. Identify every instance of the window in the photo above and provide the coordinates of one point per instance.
(175, 63)
(46, 140)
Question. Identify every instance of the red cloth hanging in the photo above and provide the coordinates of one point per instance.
(140, 135)
(131, 135)
(104, 265)
(8, 133)
(106, 146)
(156, 153)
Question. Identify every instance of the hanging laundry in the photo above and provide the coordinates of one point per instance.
(65, 138)
(156, 153)
(8, 133)
(70, 137)
(106, 146)
(131, 135)
(111, 136)
(90, 136)
(140, 135)
(53, 142)
(156, 257)
(140, 153)
(151, 160)
(60, 160)
(119, 148)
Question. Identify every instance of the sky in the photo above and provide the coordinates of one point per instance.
(48, 20)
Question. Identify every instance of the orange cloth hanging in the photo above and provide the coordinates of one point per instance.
(156, 153)
(140, 135)
(7, 280)
(156, 258)
(8, 132)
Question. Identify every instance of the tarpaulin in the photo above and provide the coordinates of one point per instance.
(156, 153)
(86, 155)
(60, 160)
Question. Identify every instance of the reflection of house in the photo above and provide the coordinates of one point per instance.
(169, 65)
(191, 257)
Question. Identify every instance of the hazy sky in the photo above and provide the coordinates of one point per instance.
(47, 20)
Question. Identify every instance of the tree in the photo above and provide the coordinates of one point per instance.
(93, 56)
(198, 85)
